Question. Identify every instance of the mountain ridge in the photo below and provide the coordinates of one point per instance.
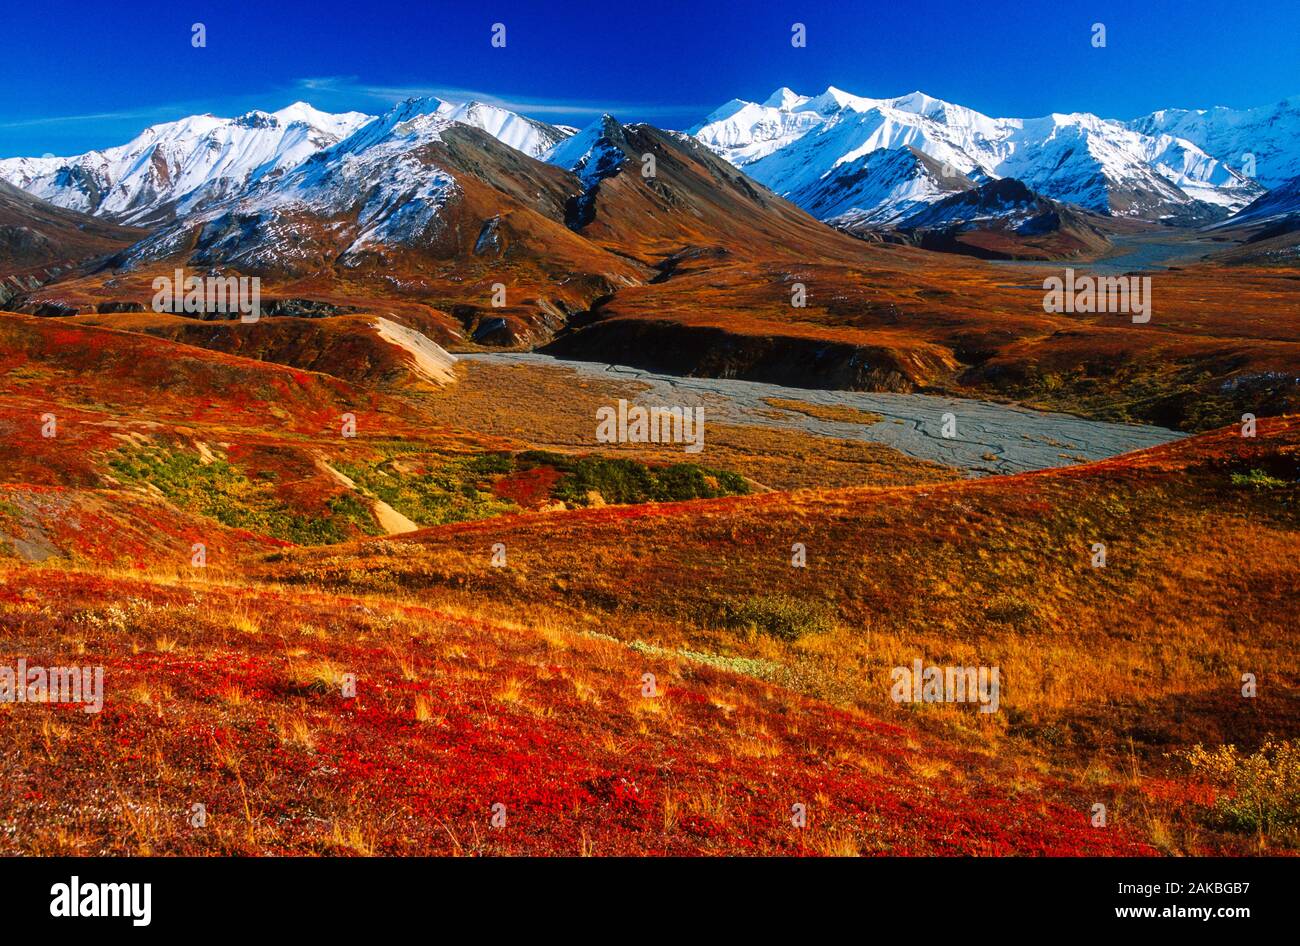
(175, 169)
(1101, 165)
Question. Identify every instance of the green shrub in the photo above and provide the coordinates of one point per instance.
(446, 494)
(1257, 479)
(624, 481)
(777, 615)
(1261, 791)
(222, 492)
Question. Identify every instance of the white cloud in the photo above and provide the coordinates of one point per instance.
(527, 105)
(339, 93)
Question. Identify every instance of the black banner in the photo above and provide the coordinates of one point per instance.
(151, 896)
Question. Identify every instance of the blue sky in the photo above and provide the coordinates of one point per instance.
(81, 76)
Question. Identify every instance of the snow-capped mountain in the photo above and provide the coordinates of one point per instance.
(743, 132)
(178, 167)
(694, 205)
(593, 153)
(1281, 205)
(797, 145)
(1270, 133)
(395, 183)
(1006, 201)
(301, 187)
(375, 186)
(528, 135)
(878, 188)
(1269, 228)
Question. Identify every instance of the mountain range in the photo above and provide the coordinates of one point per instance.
(825, 153)
(178, 168)
(447, 189)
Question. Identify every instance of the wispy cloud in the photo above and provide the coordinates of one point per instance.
(337, 93)
(160, 111)
(528, 105)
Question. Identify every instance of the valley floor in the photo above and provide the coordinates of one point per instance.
(985, 437)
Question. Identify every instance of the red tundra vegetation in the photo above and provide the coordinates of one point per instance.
(637, 679)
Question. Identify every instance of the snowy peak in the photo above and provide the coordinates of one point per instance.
(532, 137)
(799, 145)
(784, 98)
(834, 100)
(397, 183)
(594, 153)
(177, 167)
(411, 118)
(374, 188)
(919, 103)
(340, 124)
(743, 132)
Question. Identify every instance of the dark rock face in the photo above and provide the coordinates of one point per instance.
(306, 308)
(80, 179)
(488, 330)
(529, 324)
(110, 307)
(298, 308)
(55, 310)
(671, 348)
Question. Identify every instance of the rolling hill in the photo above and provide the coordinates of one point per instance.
(770, 683)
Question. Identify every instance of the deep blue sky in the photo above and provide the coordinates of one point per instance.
(75, 76)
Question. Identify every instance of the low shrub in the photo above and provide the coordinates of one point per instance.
(782, 616)
(1261, 791)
